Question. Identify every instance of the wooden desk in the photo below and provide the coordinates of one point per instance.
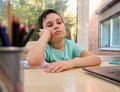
(74, 80)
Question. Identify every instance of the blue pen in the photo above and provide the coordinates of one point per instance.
(4, 37)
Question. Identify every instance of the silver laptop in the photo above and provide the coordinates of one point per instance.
(110, 73)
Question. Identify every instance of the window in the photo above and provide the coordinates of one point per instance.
(109, 20)
(116, 31)
(110, 32)
(105, 33)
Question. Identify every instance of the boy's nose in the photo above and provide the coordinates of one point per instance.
(56, 26)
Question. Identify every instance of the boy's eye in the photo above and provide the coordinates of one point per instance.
(59, 22)
(49, 25)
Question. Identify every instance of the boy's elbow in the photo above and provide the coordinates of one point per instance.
(34, 62)
(99, 61)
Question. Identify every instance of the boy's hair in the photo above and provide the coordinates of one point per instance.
(43, 16)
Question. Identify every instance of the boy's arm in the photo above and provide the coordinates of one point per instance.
(86, 59)
(36, 55)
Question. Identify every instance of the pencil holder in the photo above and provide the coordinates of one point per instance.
(11, 71)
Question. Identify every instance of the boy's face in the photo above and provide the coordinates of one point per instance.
(56, 26)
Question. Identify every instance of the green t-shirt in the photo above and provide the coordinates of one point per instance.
(71, 51)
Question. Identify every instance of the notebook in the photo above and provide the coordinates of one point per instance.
(109, 73)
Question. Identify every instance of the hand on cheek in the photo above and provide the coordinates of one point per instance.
(46, 32)
(50, 31)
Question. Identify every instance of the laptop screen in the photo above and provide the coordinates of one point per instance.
(110, 73)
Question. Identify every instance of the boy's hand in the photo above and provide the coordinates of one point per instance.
(45, 32)
(59, 66)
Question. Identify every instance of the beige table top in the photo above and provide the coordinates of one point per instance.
(74, 80)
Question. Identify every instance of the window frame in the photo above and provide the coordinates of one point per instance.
(109, 10)
(111, 32)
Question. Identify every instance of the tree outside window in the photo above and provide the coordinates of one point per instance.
(28, 12)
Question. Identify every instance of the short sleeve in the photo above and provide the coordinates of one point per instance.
(74, 50)
(47, 53)
(77, 50)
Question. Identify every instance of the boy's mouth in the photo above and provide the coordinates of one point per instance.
(58, 32)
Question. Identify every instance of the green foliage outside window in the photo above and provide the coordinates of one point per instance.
(28, 12)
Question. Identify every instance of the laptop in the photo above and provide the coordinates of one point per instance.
(109, 73)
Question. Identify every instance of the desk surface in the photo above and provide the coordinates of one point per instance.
(74, 80)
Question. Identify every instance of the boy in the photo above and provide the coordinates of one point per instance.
(52, 46)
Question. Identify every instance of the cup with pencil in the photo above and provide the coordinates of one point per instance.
(11, 71)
